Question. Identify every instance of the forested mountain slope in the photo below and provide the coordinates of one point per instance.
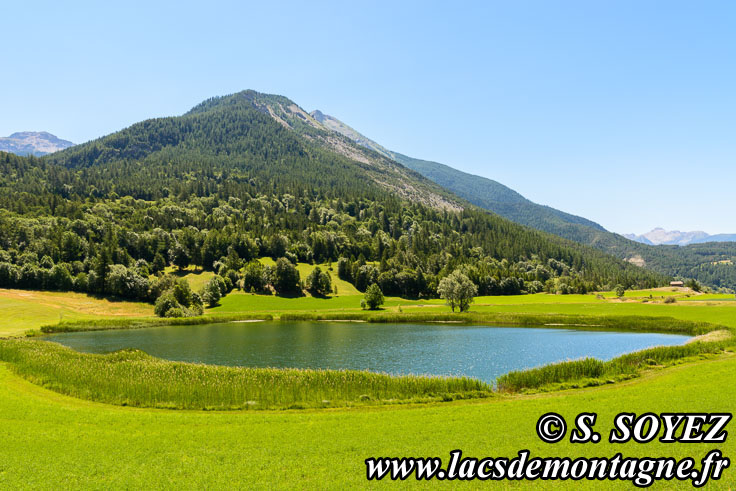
(712, 264)
(486, 193)
(252, 175)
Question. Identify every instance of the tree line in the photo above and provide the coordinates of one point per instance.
(219, 188)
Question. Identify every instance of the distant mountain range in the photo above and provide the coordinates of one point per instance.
(660, 236)
(33, 143)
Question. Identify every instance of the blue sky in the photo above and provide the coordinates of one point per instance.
(620, 111)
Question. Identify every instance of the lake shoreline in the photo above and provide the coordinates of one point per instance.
(471, 350)
(566, 376)
(662, 325)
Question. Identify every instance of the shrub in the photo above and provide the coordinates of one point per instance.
(319, 282)
(211, 293)
(80, 282)
(159, 286)
(693, 285)
(126, 283)
(178, 301)
(228, 285)
(233, 277)
(670, 300)
(374, 297)
(254, 277)
(60, 278)
(9, 275)
(365, 276)
(286, 277)
(343, 269)
(159, 263)
(221, 284)
(197, 304)
(164, 303)
(175, 312)
(183, 292)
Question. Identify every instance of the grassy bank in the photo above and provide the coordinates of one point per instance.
(591, 372)
(21, 311)
(152, 383)
(141, 323)
(133, 378)
(587, 322)
(51, 441)
(583, 312)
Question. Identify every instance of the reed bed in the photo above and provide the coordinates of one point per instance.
(589, 323)
(141, 323)
(133, 378)
(590, 368)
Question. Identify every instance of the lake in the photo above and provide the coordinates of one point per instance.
(436, 349)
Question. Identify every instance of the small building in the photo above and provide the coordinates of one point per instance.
(679, 284)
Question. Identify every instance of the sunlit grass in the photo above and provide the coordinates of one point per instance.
(133, 378)
(343, 287)
(22, 310)
(51, 441)
(591, 371)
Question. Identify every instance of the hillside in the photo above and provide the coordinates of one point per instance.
(252, 175)
(381, 170)
(33, 143)
(480, 191)
(709, 263)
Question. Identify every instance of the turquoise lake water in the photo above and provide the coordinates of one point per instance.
(437, 349)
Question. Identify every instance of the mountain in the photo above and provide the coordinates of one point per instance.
(660, 236)
(717, 238)
(486, 193)
(711, 264)
(252, 175)
(638, 238)
(382, 170)
(33, 143)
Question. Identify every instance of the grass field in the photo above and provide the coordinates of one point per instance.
(196, 277)
(22, 310)
(343, 287)
(720, 310)
(54, 441)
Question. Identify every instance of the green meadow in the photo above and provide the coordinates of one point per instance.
(127, 420)
(23, 310)
(53, 441)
